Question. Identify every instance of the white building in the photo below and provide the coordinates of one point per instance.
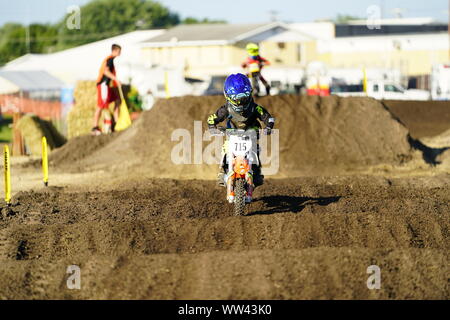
(83, 62)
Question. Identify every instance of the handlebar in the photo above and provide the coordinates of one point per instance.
(223, 131)
(219, 131)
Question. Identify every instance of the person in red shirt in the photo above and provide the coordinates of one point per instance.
(254, 64)
(107, 87)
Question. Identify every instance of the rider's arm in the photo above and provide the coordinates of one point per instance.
(244, 64)
(265, 117)
(264, 61)
(217, 117)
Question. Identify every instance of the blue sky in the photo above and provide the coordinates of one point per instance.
(26, 11)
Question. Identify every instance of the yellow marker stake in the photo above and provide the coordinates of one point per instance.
(6, 166)
(166, 84)
(44, 160)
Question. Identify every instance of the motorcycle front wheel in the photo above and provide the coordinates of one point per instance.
(239, 200)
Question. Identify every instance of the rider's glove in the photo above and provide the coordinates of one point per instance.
(267, 131)
(212, 128)
(214, 131)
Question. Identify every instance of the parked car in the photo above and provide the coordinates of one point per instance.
(381, 90)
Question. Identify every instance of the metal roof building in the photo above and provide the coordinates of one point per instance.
(221, 34)
(26, 81)
(210, 32)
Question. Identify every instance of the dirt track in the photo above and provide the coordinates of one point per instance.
(304, 239)
(137, 235)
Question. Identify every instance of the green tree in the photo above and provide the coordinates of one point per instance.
(14, 41)
(43, 38)
(345, 18)
(101, 19)
(191, 20)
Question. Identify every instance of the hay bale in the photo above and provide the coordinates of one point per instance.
(33, 129)
(79, 121)
(80, 117)
(56, 136)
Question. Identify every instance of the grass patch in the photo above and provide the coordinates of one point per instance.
(5, 129)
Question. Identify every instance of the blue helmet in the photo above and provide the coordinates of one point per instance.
(238, 92)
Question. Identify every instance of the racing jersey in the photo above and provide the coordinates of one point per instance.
(250, 119)
(255, 64)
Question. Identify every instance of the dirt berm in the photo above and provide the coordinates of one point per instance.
(309, 237)
(317, 135)
(422, 118)
(306, 238)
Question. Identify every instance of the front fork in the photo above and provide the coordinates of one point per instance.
(231, 177)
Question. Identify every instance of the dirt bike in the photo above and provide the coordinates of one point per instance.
(240, 155)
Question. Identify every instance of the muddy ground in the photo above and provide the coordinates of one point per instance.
(138, 235)
(304, 238)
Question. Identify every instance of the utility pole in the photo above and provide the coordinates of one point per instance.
(398, 12)
(27, 37)
(27, 32)
(383, 9)
(273, 14)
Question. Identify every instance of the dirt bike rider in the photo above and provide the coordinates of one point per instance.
(255, 63)
(241, 112)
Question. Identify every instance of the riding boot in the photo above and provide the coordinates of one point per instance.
(249, 195)
(221, 174)
(258, 178)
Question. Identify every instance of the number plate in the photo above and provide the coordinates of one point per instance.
(239, 146)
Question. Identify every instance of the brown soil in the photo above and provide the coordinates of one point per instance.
(176, 239)
(77, 149)
(422, 118)
(317, 135)
(138, 235)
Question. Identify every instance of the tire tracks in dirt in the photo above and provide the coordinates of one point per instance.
(304, 239)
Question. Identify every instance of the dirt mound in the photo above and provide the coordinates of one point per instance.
(422, 118)
(313, 273)
(169, 239)
(337, 133)
(70, 157)
(316, 134)
(439, 141)
(444, 159)
(304, 238)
